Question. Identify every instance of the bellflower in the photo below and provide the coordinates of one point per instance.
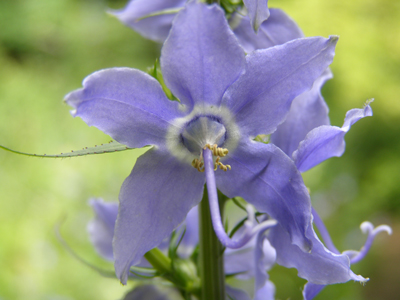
(225, 100)
(137, 13)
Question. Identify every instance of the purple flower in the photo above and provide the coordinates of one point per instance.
(151, 292)
(155, 28)
(101, 231)
(257, 11)
(278, 29)
(226, 99)
(137, 13)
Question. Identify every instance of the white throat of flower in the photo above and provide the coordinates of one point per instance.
(205, 126)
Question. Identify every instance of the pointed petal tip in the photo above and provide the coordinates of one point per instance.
(359, 278)
(333, 38)
(122, 275)
(367, 108)
(113, 12)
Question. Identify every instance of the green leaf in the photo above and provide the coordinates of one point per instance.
(97, 149)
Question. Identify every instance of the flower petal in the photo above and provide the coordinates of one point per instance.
(278, 29)
(236, 293)
(201, 56)
(265, 177)
(154, 200)
(261, 98)
(267, 292)
(257, 11)
(101, 228)
(127, 104)
(155, 28)
(239, 261)
(191, 237)
(311, 290)
(320, 266)
(149, 292)
(307, 112)
(265, 257)
(326, 141)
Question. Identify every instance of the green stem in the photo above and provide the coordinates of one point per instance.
(159, 261)
(211, 260)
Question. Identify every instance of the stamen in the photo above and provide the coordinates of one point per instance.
(250, 229)
(223, 167)
(217, 151)
(198, 164)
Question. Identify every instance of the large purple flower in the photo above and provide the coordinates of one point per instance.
(153, 19)
(226, 99)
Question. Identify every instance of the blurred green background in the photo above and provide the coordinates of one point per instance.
(47, 47)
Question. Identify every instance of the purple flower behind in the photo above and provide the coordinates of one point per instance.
(155, 28)
(136, 15)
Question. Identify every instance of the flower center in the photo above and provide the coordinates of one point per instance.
(202, 131)
(204, 127)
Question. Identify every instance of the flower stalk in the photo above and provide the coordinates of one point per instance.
(159, 261)
(211, 263)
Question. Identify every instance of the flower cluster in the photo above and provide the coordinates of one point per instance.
(238, 108)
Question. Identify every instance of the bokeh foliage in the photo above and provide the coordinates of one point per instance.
(47, 47)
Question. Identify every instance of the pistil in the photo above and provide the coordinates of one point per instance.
(250, 228)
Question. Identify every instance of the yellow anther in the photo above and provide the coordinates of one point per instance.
(224, 167)
(198, 164)
(216, 151)
(216, 163)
